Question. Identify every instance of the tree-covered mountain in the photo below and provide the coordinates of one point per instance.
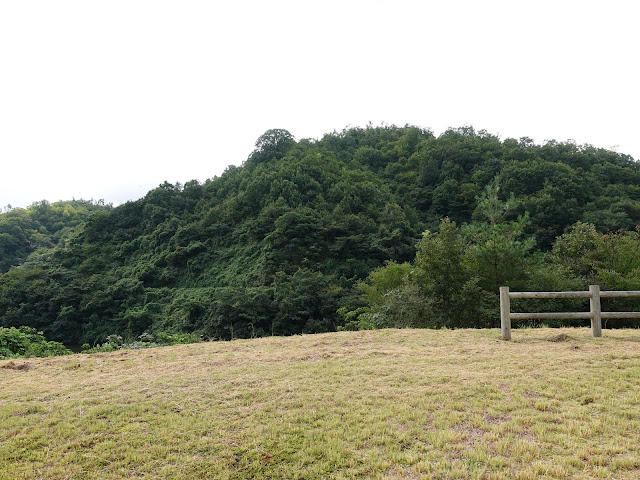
(40, 226)
(278, 245)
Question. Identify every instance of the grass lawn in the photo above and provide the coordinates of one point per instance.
(397, 404)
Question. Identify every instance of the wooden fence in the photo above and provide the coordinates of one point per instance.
(595, 314)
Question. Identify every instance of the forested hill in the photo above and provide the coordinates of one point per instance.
(40, 226)
(277, 245)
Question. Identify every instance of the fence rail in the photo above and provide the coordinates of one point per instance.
(595, 314)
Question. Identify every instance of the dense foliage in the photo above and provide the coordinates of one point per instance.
(280, 244)
(27, 342)
(115, 342)
(41, 226)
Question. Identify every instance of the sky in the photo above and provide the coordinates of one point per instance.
(107, 100)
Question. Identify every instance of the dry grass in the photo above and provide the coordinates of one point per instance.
(397, 404)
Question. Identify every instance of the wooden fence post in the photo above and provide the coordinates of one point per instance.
(596, 317)
(595, 313)
(505, 313)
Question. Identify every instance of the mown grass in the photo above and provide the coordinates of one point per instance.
(397, 404)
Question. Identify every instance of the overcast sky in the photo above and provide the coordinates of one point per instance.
(108, 99)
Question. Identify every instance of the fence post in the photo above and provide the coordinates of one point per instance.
(505, 313)
(594, 304)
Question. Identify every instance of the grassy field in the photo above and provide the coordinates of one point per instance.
(397, 404)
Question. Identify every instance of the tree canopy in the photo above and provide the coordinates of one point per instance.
(280, 244)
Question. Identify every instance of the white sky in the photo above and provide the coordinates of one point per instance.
(108, 99)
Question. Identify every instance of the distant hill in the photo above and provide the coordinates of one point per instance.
(276, 246)
(41, 225)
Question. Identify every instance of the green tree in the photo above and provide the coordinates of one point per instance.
(497, 249)
(273, 143)
(611, 260)
(382, 280)
(391, 300)
(444, 280)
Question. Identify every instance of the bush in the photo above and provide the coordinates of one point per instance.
(146, 340)
(164, 338)
(28, 342)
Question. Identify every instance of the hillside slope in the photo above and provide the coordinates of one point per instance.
(372, 404)
(276, 246)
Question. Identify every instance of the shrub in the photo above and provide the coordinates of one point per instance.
(28, 342)
(115, 342)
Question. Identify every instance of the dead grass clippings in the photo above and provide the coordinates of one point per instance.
(17, 366)
(562, 337)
